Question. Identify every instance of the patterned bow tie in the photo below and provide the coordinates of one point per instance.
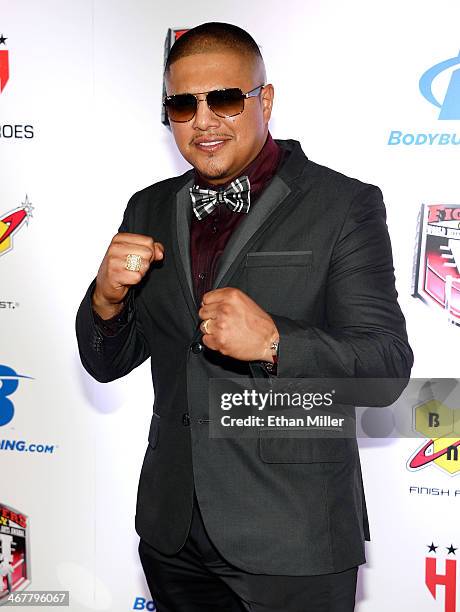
(236, 197)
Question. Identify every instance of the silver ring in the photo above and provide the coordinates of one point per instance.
(133, 262)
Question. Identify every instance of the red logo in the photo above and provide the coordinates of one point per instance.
(443, 576)
(14, 551)
(436, 278)
(178, 33)
(427, 454)
(4, 64)
(11, 222)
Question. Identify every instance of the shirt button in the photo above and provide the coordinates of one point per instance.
(202, 275)
(186, 419)
(214, 229)
(196, 347)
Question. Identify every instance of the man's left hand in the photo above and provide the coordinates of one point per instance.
(236, 325)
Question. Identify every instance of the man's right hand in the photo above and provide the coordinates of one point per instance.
(113, 279)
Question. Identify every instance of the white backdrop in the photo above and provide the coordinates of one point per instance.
(86, 75)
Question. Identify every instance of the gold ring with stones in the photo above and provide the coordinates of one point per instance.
(133, 262)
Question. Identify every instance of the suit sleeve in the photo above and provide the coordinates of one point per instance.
(108, 357)
(365, 332)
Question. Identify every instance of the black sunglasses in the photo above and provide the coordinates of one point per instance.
(222, 102)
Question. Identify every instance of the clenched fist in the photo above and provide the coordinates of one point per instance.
(113, 279)
(235, 325)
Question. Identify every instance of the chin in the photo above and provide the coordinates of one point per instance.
(212, 173)
(210, 176)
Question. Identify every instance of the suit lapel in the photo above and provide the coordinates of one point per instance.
(280, 190)
(181, 246)
(268, 201)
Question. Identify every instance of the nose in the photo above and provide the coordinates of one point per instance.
(204, 117)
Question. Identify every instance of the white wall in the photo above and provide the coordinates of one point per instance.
(87, 75)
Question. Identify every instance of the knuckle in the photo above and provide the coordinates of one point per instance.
(148, 243)
(116, 250)
(118, 238)
(223, 347)
(112, 263)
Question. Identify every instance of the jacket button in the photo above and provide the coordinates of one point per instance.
(196, 347)
(186, 419)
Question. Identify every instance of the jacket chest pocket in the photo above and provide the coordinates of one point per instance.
(278, 280)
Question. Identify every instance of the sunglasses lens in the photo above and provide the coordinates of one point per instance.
(227, 102)
(181, 107)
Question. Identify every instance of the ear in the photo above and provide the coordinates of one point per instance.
(268, 93)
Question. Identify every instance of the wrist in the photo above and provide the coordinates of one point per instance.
(104, 308)
(270, 354)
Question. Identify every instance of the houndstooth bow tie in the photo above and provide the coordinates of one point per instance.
(236, 197)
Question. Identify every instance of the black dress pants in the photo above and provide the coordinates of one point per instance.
(199, 579)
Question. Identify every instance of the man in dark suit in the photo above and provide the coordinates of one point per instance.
(256, 263)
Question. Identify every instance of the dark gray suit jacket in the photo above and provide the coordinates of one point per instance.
(315, 253)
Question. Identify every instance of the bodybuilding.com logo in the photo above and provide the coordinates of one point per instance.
(9, 382)
(450, 107)
(448, 103)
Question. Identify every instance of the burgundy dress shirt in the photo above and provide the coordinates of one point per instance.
(209, 236)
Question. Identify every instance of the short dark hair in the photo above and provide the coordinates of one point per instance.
(210, 36)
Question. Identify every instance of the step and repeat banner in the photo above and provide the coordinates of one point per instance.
(371, 90)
